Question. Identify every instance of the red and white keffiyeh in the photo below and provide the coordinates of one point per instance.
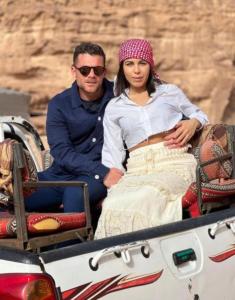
(137, 48)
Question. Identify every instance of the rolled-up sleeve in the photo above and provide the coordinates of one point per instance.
(189, 109)
(113, 152)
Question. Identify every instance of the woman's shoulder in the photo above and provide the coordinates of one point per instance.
(112, 103)
(167, 87)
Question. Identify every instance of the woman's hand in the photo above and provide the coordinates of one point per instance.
(113, 176)
(184, 130)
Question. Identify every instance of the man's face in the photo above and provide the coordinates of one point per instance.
(90, 85)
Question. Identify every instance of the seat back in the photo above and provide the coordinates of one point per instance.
(62, 226)
(214, 150)
(7, 162)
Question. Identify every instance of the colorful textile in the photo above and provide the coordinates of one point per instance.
(211, 192)
(6, 225)
(216, 185)
(29, 172)
(42, 223)
(150, 193)
(219, 169)
(217, 133)
(6, 166)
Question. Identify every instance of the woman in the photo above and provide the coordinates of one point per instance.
(147, 116)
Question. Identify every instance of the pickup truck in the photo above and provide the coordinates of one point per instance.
(191, 259)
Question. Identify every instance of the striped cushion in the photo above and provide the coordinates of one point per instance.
(42, 223)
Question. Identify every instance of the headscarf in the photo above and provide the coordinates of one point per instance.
(137, 48)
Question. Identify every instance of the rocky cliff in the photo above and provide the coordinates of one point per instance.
(193, 41)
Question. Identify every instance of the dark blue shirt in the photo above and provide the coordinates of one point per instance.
(75, 134)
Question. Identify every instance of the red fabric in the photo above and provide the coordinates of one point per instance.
(211, 192)
(65, 221)
(137, 48)
(6, 221)
(220, 169)
(215, 183)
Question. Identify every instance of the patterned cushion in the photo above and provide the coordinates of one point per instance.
(216, 191)
(6, 225)
(217, 133)
(29, 173)
(47, 159)
(220, 169)
(4, 199)
(42, 223)
(217, 187)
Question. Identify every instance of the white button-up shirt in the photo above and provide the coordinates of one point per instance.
(124, 120)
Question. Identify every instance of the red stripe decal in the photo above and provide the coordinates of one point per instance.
(126, 283)
(110, 285)
(69, 294)
(94, 288)
(223, 255)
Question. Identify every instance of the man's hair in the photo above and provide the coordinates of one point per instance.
(89, 48)
(122, 83)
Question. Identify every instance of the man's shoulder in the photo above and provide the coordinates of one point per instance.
(108, 83)
(60, 97)
(109, 87)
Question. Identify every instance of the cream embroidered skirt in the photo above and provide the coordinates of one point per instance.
(150, 192)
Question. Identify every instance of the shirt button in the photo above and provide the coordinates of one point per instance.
(97, 177)
(94, 140)
(99, 118)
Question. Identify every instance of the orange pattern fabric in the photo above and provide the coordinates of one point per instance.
(6, 166)
(29, 173)
(216, 183)
(42, 223)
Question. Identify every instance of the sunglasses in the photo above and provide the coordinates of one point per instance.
(85, 70)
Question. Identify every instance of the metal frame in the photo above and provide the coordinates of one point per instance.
(23, 240)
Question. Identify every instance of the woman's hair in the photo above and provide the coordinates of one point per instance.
(121, 82)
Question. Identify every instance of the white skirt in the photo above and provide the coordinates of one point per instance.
(150, 192)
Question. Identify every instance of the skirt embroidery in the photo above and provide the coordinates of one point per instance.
(150, 192)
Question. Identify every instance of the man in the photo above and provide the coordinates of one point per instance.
(75, 135)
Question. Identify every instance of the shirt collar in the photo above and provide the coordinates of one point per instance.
(160, 89)
(108, 93)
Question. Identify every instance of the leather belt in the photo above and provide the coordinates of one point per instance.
(153, 139)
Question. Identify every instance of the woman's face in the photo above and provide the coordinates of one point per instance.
(136, 72)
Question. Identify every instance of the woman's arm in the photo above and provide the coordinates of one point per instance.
(185, 129)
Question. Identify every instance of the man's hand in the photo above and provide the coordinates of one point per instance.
(184, 130)
(113, 176)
